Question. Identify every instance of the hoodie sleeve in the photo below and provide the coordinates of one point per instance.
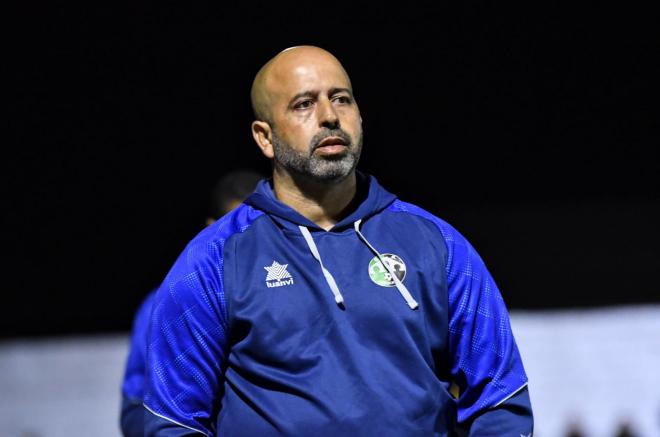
(131, 418)
(187, 344)
(484, 359)
(508, 418)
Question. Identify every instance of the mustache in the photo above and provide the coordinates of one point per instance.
(326, 133)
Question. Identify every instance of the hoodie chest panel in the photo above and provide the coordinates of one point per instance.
(283, 312)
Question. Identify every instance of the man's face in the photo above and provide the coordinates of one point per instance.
(317, 129)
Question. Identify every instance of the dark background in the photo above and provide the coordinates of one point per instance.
(531, 128)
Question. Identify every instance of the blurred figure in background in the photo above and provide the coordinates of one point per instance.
(227, 194)
(574, 430)
(625, 429)
(230, 191)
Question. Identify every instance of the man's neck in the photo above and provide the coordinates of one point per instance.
(322, 203)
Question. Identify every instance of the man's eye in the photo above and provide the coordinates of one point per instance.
(343, 99)
(303, 105)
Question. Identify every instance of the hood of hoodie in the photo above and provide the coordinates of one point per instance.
(373, 198)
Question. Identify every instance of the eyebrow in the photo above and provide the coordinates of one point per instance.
(332, 92)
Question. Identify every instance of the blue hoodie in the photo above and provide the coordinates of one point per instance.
(269, 325)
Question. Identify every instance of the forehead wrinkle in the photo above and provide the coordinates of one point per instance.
(308, 79)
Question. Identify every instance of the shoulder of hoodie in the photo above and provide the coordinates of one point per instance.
(449, 234)
(211, 240)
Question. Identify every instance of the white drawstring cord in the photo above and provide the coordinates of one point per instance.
(328, 277)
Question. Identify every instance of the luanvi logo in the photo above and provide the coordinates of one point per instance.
(277, 275)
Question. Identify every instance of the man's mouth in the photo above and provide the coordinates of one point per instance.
(331, 145)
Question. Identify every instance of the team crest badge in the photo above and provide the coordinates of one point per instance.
(379, 274)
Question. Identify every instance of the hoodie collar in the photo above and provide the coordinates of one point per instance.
(374, 199)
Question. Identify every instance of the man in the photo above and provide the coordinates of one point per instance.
(324, 305)
(227, 194)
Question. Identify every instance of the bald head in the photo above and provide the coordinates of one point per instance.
(279, 69)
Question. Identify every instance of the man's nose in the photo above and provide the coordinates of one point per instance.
(328, 114)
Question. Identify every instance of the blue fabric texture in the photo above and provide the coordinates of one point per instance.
(131, 418)
(247, 339)
(508, 418)
(133, 385)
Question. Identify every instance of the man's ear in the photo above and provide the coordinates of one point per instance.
(263, 136)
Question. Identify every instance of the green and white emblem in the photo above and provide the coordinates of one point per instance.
(379, 274)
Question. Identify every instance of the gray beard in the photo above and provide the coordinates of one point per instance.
(318, 168)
